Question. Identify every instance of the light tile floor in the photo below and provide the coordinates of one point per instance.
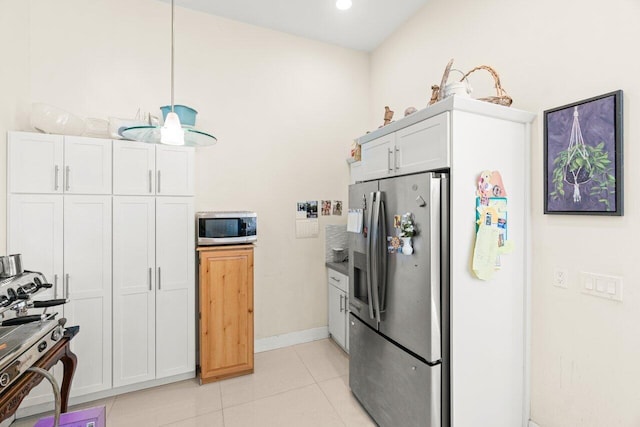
(303, 386)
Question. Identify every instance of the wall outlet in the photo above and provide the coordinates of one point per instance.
(599, 285)
(561, 277)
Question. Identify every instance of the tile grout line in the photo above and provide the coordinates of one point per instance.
(331, 403)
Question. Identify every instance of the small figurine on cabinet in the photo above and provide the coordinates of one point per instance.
(388, 115)
(409, 110)
(435, 90)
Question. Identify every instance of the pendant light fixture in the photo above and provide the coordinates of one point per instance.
(172, 132)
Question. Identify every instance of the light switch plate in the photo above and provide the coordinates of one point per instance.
(600, 285)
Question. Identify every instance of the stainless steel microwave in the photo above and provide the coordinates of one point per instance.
(226, 228)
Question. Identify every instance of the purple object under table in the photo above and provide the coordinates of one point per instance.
(91, 417)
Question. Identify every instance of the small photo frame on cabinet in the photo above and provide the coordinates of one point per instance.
(583, 169)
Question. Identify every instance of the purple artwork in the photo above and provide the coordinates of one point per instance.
(583, 157)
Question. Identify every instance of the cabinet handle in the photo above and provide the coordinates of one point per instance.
(66, 173)
(150, 179)
(66, 286)
(159, 287)
(389, 151)
(150, 288)
(158, 183)
(395, 160)
(335, 278)
(56, 183)
(341, 297)
(55, 286)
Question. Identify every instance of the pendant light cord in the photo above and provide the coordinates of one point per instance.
(172, 50)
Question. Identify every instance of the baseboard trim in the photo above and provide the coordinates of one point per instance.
(293, 338)
(532, 424)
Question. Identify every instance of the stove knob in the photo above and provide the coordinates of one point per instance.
(4, 379)
(42, 346)
(55, 335)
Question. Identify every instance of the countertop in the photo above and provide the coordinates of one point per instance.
(340, 267)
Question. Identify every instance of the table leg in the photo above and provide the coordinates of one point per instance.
(69, 362)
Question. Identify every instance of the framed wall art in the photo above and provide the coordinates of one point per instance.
(583, 166)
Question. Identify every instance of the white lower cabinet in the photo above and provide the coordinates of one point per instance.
(153, 287)
(87, 285)
(175, 297)
(134, 290)
(68, 238)
(338, 308)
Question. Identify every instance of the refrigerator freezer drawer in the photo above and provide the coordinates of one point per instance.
(393, 386)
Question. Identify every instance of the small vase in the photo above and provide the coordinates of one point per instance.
(407, 249)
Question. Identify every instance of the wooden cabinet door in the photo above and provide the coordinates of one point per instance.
(134, 164)
(87, 285)
(134, 314)
(35, 163)
(87, 165)
(378, 158)
(175, 286)
(423, 146)
(174, 171)
(226, 312)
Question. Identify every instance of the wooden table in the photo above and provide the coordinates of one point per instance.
(11, 398)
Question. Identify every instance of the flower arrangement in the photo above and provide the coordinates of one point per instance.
(407, 228)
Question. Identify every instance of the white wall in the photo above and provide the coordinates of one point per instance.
(284, 109)
(585, 350)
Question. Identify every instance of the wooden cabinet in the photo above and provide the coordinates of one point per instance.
(419, 147)
(50, 164)
(147, 169)
(226, 311)
(338, 304)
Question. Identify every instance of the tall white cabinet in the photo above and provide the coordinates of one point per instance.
(111, 225)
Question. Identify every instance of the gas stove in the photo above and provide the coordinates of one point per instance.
(25, 338)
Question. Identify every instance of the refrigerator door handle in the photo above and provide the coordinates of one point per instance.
(383, 259)
(435, 279)
(375, 255)
(368, 257)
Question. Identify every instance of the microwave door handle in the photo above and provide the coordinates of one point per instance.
(368, 258)
(383, 258)
(375, 257)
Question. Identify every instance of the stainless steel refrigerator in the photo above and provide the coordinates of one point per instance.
(398, 322)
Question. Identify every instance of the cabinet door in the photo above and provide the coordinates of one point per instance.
(423, 146)
(35, 231)
(378, 158)
(134, 164)
(337, 324)
(87, 282)
(226, 310)
(175, 286)
(175, 171)
(134, 302)
(87, 165)
(35, 163)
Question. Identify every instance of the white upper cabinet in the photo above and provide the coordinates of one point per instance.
(423, 146)
(419, 147)
(147, 169)
(49, 164)
(377, 158)
(37, 162)
(134, 165)
(87, 165)
(174, 171)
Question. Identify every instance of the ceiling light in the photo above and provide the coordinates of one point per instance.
(343, 4)
(172, 133)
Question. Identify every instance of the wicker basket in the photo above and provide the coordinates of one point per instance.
(501, 97)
